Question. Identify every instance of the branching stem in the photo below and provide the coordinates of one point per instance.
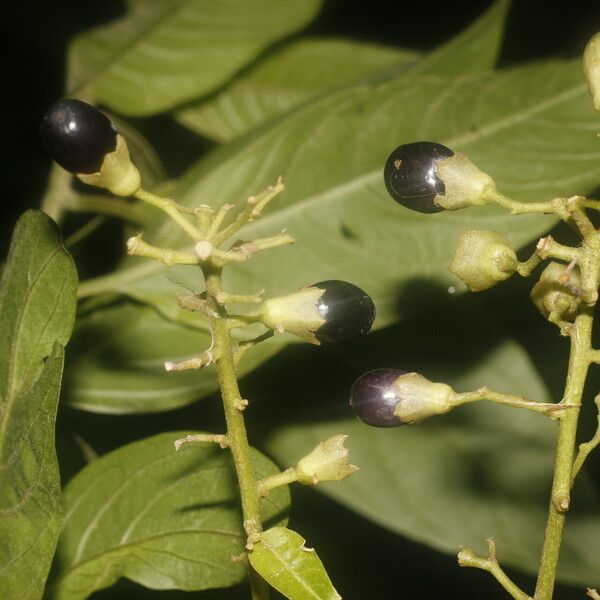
(586, 447)
(171, 208)
(236, 428)
(467, 558)
(579, 362)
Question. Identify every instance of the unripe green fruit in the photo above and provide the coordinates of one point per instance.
(551, 295)
(483, 259)
(591, 67)
(327, 462)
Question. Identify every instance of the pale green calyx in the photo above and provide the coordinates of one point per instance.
(555, 294)
(327, 462)
(295, 313)
(591, 68)
(117, 173)
(483, 259)
(420, 398)
(464, 183)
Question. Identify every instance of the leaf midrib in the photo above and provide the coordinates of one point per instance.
(153, 25)
(113, 281)
(11, 393)
(123, 549)
(269, 547)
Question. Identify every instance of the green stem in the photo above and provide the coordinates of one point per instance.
(467, 558)
(586, 447)
(170, 207)
(565, 449)
(549, 248)
(268, 484)
(84, 231)
(106, 205)
(519, 208)
(58, 188)
(579, 362)
(525, 268)
(236, 429)
(552, 410)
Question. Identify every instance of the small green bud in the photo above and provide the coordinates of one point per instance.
(464, 184)
(591, 68)
(483, 259)
(117, 173)
(551, 294)
(327, 462)
(419, 398)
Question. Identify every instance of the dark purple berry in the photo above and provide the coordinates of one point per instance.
(374, 398)
(411, 178)
(77, 135)
(348, 311)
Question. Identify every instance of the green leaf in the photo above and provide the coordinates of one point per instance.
(533, 128)
(525, 126)
(164, 52)
(161, 518)
(282, 559)
(474, 49)
(37, 310)
(116, 361)
(306, 68)
(481, 471)
(285, 78)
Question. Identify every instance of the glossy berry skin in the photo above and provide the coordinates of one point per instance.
(374, 398)
(348, 311)
(410, 175)
(77, 135)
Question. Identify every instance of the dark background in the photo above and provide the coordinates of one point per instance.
(364, 560)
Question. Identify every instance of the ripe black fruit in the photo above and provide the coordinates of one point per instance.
(348, 311)
(374, 398)
(77, 135)
(411, 178)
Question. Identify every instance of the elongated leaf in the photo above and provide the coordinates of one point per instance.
(305, 68)
(283, 79)
(162, 518)
(296, 571)
(116, 361)
(533, 128)
(163, 52)
(336, 205)
(37, 310)
(481, 471)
